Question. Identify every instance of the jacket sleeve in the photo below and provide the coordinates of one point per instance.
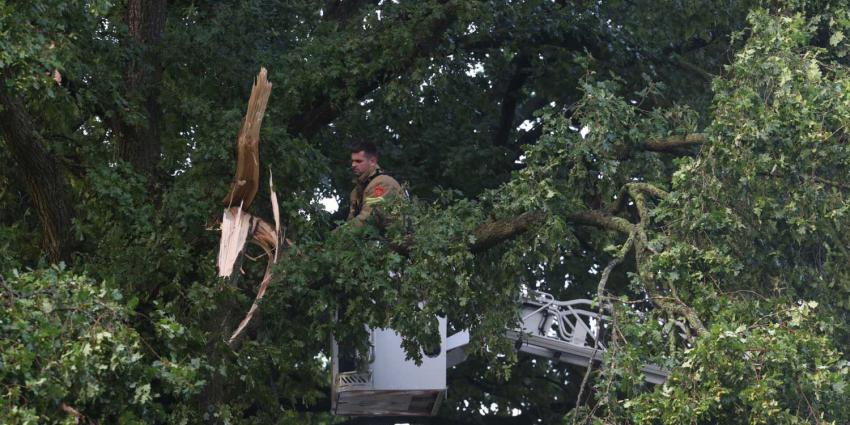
(351, 201)
(379, 191)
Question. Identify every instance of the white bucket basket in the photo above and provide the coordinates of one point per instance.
(391, 385)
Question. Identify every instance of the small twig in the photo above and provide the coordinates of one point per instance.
(830, 182)
(81, 418)
(812, 411)
(600, 292)
(744, 291)
(9, 288)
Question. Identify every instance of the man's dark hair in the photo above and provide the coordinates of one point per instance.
(368, 148)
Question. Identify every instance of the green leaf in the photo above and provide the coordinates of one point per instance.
(836, 38)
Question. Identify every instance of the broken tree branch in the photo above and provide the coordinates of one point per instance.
(637, 233)
(237, 224)
(266, 238)
(247, 178)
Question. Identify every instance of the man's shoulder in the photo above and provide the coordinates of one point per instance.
(381, 179)
(383, 183)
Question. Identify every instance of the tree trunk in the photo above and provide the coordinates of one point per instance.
(43, 178)
(140, 144)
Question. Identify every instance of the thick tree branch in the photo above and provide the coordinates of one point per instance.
(674, 144)
(603, 220)
(637, 232)
(672, 305)
(492, 233)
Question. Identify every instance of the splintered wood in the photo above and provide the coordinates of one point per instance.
(237, 224)
(247, 178)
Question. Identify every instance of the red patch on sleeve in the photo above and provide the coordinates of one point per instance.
(379, 191)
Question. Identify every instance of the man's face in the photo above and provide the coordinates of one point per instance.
(362, 163)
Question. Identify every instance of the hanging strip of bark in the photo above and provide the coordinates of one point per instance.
(267, 238)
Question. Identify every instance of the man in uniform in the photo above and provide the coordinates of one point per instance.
(371, 186)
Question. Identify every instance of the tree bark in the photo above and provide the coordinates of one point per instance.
(140, 143)
(45, 183)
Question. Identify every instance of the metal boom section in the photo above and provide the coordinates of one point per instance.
(566, 331)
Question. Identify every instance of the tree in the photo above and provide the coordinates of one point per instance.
(686, 172)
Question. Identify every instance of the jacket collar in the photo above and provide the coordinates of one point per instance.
(365, 178)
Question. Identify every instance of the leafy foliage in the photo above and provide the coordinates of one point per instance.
(700, 162)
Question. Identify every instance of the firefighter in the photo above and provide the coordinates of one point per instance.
(371, 186)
